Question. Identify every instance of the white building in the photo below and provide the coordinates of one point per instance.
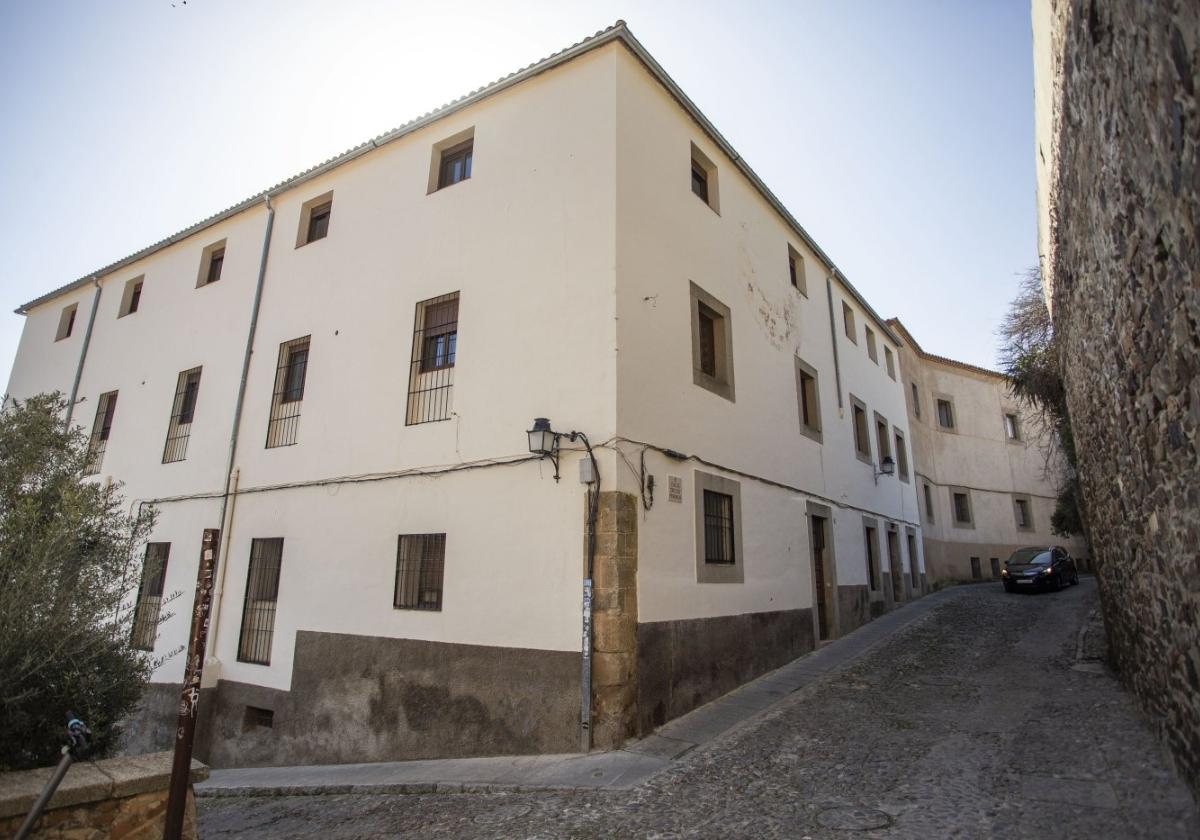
(399, 576)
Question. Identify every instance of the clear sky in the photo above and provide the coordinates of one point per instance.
(900, 134)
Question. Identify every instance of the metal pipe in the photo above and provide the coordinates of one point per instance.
(87, 340)
(39, 806)
(585, 666)
(837, 372)
(230, 477)
(227, 526)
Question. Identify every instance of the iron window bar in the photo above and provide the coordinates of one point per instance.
(434, 353)
(105, 409)
(718, 528)
(262, 595)
(291, 372)
(420, 567)
(150, 595)
(183, 409)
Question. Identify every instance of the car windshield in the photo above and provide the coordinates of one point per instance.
(1030, 556)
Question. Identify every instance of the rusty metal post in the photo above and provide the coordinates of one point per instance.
(189, 697)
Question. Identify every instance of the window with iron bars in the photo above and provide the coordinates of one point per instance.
(288, 395)
(718, 528)
(150, 595)
(420, 564)
(106, 407)
(262, 593)
(435, 346)
(179, 427)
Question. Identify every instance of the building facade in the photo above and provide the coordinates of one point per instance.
(986, 466)
(339, 373)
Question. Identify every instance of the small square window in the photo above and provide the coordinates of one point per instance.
(704, 179)
(719, 557)
(66, 322)
(901, 457)
(131, 297)
(1012, 427)
(809, 399)
(848, 322)
(796, 271)
(890, 360)
(872, 352)
(420, 568)
(960, 504)
(455, 164)
(712, 344)
(1024, 514)
(315, 215)
(862, 436)
(212, 261)
(945, 414)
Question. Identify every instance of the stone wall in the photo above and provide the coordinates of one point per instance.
(1126, 278)
(118, 798)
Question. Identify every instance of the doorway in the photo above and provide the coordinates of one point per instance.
(913, 565)
(822, 576)
(893, 548)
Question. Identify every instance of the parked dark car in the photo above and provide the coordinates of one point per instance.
(1039, 567)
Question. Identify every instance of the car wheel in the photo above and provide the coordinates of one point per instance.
(1075, 579)
(1008, 587)
(1058, 583)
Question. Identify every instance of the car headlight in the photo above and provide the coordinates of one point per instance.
(1047, 570)
(1004, 573)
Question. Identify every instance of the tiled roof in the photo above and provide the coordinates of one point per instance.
(618, 31)
(896, 325)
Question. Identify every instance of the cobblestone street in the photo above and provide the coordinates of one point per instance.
(987, 718)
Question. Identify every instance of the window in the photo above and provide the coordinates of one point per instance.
(901, 457)
(719, 557)
(916, 400)
(434, 352)
(150, 595)
(262, 593)
(183, 409)
(106, 407)
(1012, 427)
(809, 400)
(870, 533)
(882, 441)
(257, 718)
(976, 572)
(848, 322)
(212, 260)
(862, 437)
(796, 271)
(712, 344)
(704, 179)
(455, 164)
(928, 504)
(130, 297)
(314, 219)
(1024, 514)
(960, 503)
(872, 351)
(945, 414)
(66, 322)
(889, 359)
(290, 375)
(420, 564)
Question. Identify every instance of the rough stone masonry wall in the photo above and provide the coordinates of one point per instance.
(1127, 309)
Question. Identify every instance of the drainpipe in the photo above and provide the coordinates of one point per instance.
(87, 340)
(837, 373)
(232, 476)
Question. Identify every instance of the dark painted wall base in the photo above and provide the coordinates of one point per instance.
(684, 664)
(854, 606)
(365, 698)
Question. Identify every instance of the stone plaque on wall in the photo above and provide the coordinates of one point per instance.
(674, 488)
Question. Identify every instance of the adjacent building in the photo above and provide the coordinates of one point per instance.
(340, 373)
(987, 468)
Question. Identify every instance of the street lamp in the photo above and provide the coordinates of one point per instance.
(543, 441)
(886, 467)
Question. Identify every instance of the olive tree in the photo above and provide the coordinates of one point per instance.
(69, 571)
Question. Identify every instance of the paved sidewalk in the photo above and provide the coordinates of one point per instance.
(616, 770)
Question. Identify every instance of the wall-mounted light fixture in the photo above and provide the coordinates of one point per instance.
(886, 467)
(545, 441)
